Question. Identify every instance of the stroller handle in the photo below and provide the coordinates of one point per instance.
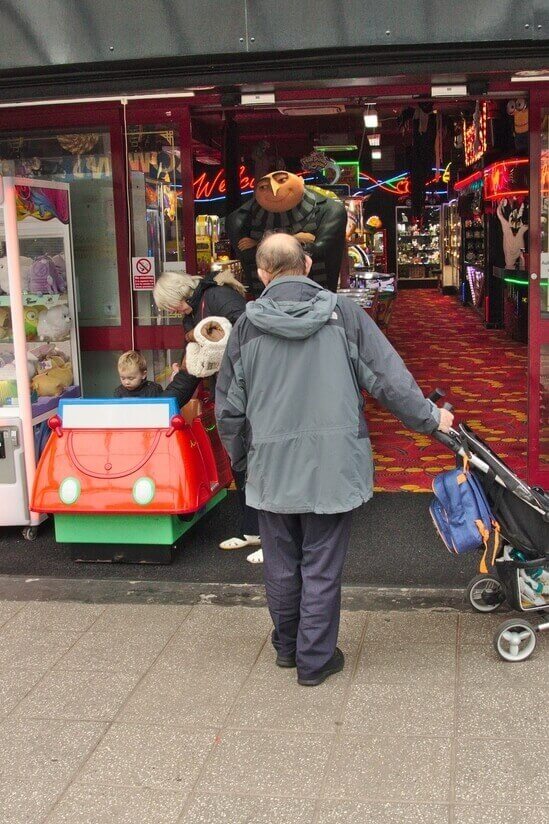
(451, 439)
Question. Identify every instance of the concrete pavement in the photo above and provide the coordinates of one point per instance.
(157, 713)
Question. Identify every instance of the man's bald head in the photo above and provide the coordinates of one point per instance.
(278, 255)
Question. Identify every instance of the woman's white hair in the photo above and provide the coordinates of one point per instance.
(173, 287)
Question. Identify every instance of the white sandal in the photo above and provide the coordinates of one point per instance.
(256, 557)
(239, 543)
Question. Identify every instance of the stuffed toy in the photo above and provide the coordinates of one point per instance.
(282, 203)
(59, 262)
(32, 313)
(518, 110)
(55, 323)
(203, 356)
(513, 234)
(5, 324)
(53, 382)
(26, 264)
(45, 278)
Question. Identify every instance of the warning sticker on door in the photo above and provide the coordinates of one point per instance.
(143, 274)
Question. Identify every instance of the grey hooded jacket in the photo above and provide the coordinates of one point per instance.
(288, 401)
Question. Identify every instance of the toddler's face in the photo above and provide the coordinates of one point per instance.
(132, 378)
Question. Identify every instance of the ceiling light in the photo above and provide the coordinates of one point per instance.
(349, 147)
(374, 139)
(449, 91)
(534, 77)
(376, 154)
(370, 119)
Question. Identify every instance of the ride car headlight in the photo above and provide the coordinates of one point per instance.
(143, 491)
(69, 490)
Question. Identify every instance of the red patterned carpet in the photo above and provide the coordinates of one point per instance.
(483, 371)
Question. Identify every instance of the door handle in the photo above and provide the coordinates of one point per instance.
(533, 276)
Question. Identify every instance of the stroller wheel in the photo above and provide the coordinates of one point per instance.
(515, 640)
(485, 593)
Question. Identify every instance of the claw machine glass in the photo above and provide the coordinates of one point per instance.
(39, 351)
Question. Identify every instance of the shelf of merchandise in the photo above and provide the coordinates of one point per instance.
(404, 241)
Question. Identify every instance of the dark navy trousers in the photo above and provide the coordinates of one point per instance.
(303, 561)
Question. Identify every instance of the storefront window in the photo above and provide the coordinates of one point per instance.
(154, 160)
(83, 160)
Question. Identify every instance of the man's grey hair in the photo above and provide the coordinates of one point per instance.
(280, 254)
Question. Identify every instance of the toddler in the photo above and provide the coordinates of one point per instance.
(132, 369)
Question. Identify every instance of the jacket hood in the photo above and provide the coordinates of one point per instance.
(292, 307)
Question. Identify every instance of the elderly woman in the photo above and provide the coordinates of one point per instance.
(220, 295)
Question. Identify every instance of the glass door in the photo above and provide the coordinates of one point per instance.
(538, 401)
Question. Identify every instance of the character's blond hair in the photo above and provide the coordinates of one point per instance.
(132, 359)
(173, 287)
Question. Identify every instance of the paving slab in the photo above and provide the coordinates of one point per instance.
(266, 763)
(480, 664)
(488, 814)
(117, 805)
(15, 684)
(503, 772)
(396, 628)
(56, 616)
(226, 810)
(141, 618)
(415, 665)
(27, 802)
(504, 710)
(30, 649)
(186, 697)
(79, 695)
(156, 757)
(8, 609)
(390, 769)
(345, 812)
(116, 651)
(394, 709)
(49, 750)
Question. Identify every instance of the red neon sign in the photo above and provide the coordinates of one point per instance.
(508, 178)
(467, 181)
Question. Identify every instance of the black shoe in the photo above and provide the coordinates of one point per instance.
(285, 661)
(335, 664)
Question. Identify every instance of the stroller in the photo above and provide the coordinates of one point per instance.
(515, 565)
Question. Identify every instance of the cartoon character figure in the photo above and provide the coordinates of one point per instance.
(282, 202)
(55, 323)
(31, 314)
(513, 234)
(518, 110)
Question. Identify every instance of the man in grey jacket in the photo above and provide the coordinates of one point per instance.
(290, 412)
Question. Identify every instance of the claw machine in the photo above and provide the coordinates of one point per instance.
(39, 351)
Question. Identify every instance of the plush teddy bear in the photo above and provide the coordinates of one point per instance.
(204, 354)
(53, 382)
(46, 278)
(55, 323)
(26, 264)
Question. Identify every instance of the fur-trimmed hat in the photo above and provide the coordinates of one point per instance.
(203, 357)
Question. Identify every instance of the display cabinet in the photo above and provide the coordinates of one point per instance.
(418, 246)
(39, 350)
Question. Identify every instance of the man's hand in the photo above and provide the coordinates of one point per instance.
(305, 237)
(246, 243)
(446, 420)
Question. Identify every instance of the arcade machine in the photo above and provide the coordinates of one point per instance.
(125, 479)
(39, 351)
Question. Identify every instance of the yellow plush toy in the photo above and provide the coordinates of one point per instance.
(53, 382)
